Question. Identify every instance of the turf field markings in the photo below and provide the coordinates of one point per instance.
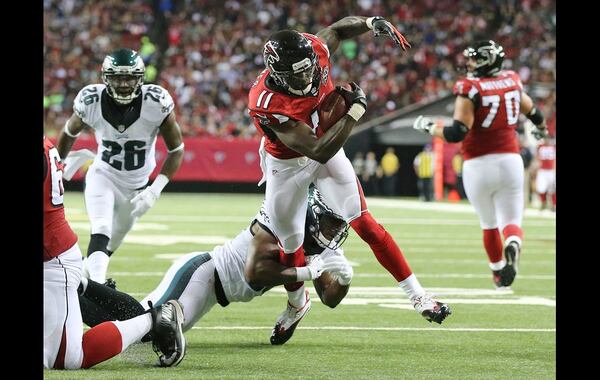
(141, 226)
(459, 275)
(361, 275)
(364, 328)
(174, 239)
(245, 221)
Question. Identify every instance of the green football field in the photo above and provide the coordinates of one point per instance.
(375, 333)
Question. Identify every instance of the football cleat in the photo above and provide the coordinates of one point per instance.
(512, 254)
(287, 321)
(168, 341)
(506, 276)
(431, 309)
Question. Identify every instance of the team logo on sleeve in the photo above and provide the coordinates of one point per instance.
(325, 75)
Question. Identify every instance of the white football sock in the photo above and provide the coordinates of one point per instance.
(498, 265)
(96, 266)
(297, 298)
(133, 330)
(412, 287)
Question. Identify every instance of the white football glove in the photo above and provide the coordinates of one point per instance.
(75, 160)
(539, 133)
(314, 264)
(146, 198)
(340, 266)
(424, 124)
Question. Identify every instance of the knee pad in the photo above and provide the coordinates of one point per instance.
(368, 229)
(98, 242)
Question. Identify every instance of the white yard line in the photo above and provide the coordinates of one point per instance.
(361, 328)
(362, 275)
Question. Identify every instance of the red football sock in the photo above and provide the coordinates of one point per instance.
(513, 230)
(383, 246)
(101, 343)
(554, 199)
(295, 259)
(493, 244)
(543, 199)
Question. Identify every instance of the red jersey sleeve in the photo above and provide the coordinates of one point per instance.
(465, 87)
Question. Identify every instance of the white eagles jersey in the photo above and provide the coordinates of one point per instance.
(126, 141)
(230, 260)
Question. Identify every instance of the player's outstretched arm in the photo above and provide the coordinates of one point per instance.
(464, 116)
(352, 26)
(263, 269)
(333, 284)
(69, 134)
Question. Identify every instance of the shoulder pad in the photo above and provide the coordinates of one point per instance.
(465, 87)
(157, 101)
(87, 103)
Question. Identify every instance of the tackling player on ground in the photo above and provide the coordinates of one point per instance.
(65, 344)
(200, 280)
(126, 116)
(486, 113)
(283, 103)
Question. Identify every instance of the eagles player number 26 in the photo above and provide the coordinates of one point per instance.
(135, 155)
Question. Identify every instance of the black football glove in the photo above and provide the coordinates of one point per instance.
(354, 96)
(383, 27)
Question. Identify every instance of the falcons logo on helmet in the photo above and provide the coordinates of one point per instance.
(270, 54)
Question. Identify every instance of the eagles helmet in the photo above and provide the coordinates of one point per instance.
(292, 61)
(328, 229)
(123, 74)
(488, 58)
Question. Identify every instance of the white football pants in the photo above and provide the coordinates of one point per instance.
(494, 186)
(62, 315)
(108, 207)
(286, 195)
(544, 181)
(191, 281)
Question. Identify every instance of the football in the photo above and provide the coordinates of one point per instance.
(331, 109)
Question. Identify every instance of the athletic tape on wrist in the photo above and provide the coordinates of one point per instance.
(356, 111)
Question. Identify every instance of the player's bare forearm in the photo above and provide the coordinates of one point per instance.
(299, 137)
(65, 142)
(172, 164)
(346, 28)
(335, 137)
(171, 133)
(329, 289)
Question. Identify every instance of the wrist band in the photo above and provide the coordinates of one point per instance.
(159, 183)
(180, 147)
(356, 111)
(69, 133)
(303, 274)
(371, 19)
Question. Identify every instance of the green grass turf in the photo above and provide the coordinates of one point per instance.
(443, 248)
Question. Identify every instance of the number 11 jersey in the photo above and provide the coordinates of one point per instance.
(126, 134)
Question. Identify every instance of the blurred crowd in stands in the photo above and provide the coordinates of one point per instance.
(207, 53)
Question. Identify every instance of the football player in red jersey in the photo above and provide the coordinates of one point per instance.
(486, 112)
(283, 102)
(65, 344)
(545, 178)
